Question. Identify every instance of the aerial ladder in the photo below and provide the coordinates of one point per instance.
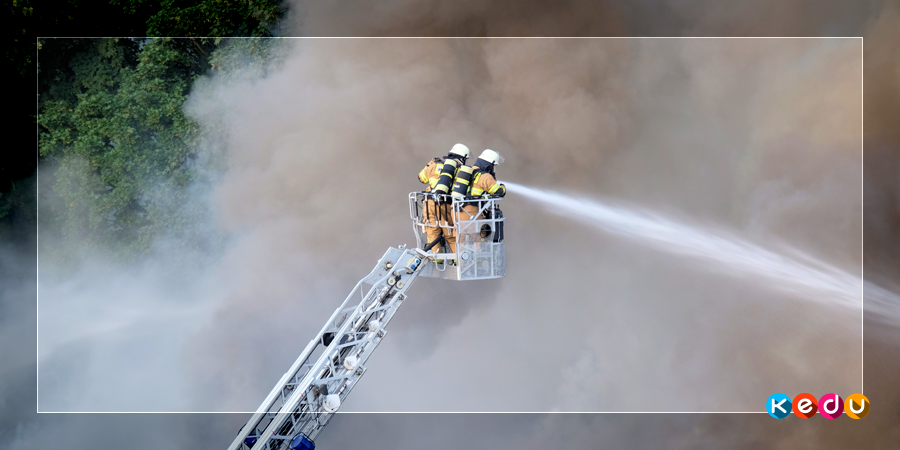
(309, 394)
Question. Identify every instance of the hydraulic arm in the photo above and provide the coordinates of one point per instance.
(311, 391)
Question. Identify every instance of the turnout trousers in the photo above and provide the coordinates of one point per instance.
(441, 221)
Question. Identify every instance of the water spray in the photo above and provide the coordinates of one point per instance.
(803, 277)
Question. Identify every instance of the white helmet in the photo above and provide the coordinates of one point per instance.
(491, 156)
(460, 150)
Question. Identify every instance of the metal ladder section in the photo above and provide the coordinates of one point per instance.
(309, 393)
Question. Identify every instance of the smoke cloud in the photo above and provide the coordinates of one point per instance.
(722, 131)
(759, 136)
(312, 197)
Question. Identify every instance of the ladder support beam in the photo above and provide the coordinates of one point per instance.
(296, 403)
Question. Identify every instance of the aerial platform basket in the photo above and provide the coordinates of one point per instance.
(310, 393)
(477, 224)
(312, 390)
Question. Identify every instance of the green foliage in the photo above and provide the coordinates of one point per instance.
(27, 20)
(247, 57)
(210, 18)
(70, 68)
(19, 201)
(122, 148)
(118, 154)
(30, 19)
(18, 52)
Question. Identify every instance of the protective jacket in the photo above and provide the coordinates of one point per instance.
(439, 174)
(484, 182)
(472, 182)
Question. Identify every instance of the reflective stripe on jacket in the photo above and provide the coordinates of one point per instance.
(485, 182)
(431, 174)
(447, 175)
(461, 185)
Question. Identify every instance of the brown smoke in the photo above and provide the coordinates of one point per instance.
(757, 135)
(588, 18)
(733, 132)
(460, 18)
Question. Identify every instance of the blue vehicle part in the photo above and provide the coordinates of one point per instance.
(301, 442)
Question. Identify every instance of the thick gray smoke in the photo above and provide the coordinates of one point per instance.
(322, 151)
(760, 136)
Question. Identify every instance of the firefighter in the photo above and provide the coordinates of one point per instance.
(439, 175)
(478, 181)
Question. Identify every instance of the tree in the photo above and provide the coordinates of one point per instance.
(210, 18)
(29, 20)
(119, 145)
(58, 82)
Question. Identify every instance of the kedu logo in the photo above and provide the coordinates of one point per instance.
(805, 406)
(830, 406)
(857, 406)
(779, 406)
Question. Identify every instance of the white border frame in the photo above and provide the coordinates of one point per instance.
(862, 225)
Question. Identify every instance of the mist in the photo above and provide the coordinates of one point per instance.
(792, 272)
(759, 136)
(723, 131)
(313, 193)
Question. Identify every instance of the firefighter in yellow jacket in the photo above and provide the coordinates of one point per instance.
(439, 175)
(478, 180)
